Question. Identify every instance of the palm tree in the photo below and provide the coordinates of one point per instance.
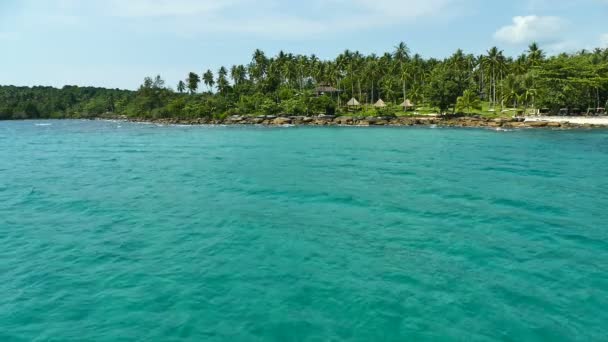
(357, 64)
(371, 72)
(345, 61)
(208, 79)
(520, 66)
(468, 101)
(401, 55)
(193, 81)
(416, 94)
(388, 87)
(233, 75)
(511, 89)
(241, 72)
(334, 73)
(238, 74)
(495, 61)
(315, 68)
(258, 66)
(529, 90)
(181, 87)
(535, 55)
(303, 64)
(222, 80)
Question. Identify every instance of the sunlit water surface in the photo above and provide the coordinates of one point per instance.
(112, 231)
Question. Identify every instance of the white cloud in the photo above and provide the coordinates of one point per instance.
(526, 29)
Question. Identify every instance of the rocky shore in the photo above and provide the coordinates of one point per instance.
(328, 120)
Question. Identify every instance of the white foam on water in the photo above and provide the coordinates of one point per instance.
(43, 124)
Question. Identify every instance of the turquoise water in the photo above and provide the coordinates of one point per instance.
(115, 231)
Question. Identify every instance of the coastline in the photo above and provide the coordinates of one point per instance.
(327, 120)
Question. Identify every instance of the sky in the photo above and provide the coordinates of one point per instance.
(116, 43)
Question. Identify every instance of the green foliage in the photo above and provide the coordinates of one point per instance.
(68, 102)
(193, 82)
(302, 85)
(443, 88)
(467, 102)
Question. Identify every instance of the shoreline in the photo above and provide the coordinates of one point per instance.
(474, 121)
(327, 120)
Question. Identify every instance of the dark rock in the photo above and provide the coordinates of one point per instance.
(538, 124)
(344, 120)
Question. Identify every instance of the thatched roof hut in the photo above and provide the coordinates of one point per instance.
(407, 104)
(323, 89)
(353, 102)
(380, 104)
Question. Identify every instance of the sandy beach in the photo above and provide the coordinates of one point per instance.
(578, 120)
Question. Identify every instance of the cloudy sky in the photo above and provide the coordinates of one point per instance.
(115, 43)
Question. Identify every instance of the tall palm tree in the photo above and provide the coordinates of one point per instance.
(357, 65)
(222, 80)
(208, 79)
(535, 55)
(388, 87)
(241, 72)
(371, 72)
(192, 82)
(401, 55)
(520, 66)
(511, 89)
(259, 65)
(345, 61)
(495, 61)
(234, 75)
(480, 62)
(529, 89)
(181, 87)
(302, 67)
(315, 68)
(334, 74)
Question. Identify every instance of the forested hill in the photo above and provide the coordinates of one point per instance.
(298, 84)
(67, 102)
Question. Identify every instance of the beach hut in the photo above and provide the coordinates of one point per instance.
(407, 104)
(353, 103)
(325, 88)
(380, 104)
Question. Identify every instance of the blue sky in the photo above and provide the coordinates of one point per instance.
(116, 43)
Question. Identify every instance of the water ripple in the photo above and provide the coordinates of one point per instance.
(251, 233)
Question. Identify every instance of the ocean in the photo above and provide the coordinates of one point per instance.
(115, 231)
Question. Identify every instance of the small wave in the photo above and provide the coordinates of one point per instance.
(43, 124)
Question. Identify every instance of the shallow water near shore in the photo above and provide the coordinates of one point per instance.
(120, 231)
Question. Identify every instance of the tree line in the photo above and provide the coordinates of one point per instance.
(289, 84)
